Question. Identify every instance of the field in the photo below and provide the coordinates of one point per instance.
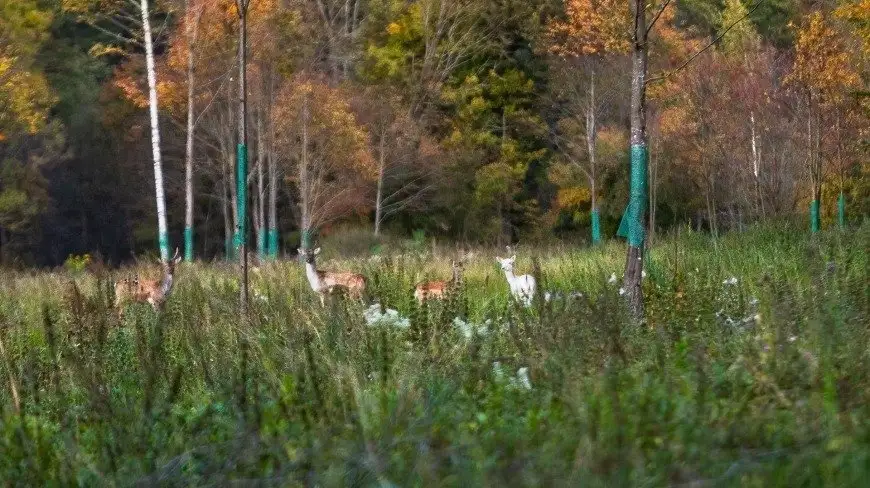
(751, 369)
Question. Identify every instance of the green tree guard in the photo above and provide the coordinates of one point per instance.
(306, 239)
(815, 220)
(596, 227)
(242, 195)
(164, 244)
(631, 225)
(188, 244)
(841, 210)
(229, 247)
(273, 243)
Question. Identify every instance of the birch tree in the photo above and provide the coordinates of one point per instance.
(128, 24)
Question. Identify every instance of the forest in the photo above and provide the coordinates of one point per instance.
(475, 121)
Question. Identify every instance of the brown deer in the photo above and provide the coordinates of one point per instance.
(153, 292)
(331, 282)
(439, 289)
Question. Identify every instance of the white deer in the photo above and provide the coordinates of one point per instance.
(329, 282)
(523, 286)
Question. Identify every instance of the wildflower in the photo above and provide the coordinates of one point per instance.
(523, 378)
(612, 279)
(389, 317)
(642, 274)
(621, 291)
(792, 338)
(730, 281)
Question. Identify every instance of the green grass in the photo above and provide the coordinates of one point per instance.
(762, 383)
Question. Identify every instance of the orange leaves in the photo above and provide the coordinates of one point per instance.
(591, 27)
(336, 140)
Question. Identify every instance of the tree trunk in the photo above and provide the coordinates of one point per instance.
(190, 32)
(756, 167)
(242, 154)
(379, 197)
(273, 192)
(304, 186)
(162, 228)
(226, 210)
(652, 174)
(261, 191)
(637, 204)
(591, 138)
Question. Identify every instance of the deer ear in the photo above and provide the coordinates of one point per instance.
(498, 258)
(300, 250)
(514, 257)
(317, 251)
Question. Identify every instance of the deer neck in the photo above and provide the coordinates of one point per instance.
(511, 277)
(166, 284)
(313, 276)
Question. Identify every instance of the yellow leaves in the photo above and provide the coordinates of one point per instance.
(591, 27)
(394, 29)
(822, 63)
(25, 97)
(573, 197)
(858, 15)
(100, 49)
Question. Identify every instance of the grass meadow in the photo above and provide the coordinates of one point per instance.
(751, 369)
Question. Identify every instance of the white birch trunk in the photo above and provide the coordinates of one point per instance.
(379, 202)
(155, 134)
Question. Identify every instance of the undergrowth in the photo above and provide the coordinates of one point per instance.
(750, 369)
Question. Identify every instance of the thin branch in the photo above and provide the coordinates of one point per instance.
(708, 46)
(656, 18)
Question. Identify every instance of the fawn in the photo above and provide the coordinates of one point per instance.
(523, 286)
(330, 282)
(439, 289)
(153, 292)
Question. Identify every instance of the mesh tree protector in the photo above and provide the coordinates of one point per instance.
(632, 224)
(164, 244)
(273, 243)
(241, 194)
(596, 226)
(815, 220)
(188, 244)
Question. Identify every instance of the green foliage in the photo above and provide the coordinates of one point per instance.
(750, 370)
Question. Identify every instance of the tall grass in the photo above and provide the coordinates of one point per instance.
(763, 382)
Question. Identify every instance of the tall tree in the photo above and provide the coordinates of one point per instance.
(242, 152)
(591, 33)
(129, 23)
(824, 73)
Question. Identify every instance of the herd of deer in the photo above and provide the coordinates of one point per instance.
(324, 283)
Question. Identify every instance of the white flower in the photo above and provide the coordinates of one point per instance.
(642, 274)
(389, 317)
(730, 281)
(612, 279)
(792, 338)
(522, 379)
(621, 291)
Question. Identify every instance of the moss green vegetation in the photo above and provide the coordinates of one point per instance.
(751, 370)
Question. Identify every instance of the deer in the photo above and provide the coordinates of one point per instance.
(153, 292)
(523, 286)
(439, 289)
(330, 282)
